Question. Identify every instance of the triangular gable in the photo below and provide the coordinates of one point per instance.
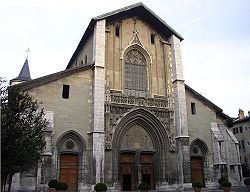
(138, 9)
(208, 103)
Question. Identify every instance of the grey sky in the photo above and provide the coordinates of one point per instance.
(216, 46)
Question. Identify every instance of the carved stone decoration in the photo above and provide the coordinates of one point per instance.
(172, 143)
(108, 141)
(136, 39)
(117, 105)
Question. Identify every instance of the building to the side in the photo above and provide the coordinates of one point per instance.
(120, 113)
(241, 130)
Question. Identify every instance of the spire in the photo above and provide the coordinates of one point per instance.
(24, 74)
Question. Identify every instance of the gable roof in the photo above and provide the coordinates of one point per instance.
(24, 74)
(52, 77)
(207, 102)
(138, 9)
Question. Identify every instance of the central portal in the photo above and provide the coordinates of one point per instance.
(147, 172)
(136, 159)
(127, 168)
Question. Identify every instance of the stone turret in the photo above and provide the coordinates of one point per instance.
(241, 114)
(24, 74)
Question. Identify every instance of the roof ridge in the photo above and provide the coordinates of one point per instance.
(53, 76)
(119, 10)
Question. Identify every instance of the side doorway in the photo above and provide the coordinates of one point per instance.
(198, 161)
(69, 171)
(197, 170)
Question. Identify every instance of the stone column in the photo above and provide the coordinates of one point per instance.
(139, 173)
(39, 172)
(98, 101)
(15, 186)
(182, 138)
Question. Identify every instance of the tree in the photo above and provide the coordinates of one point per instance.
(22, 125)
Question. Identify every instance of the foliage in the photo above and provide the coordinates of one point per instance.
(226, 184)
(247, 181)
(22, 125)
(52, 183)
(144, 186)
(61, 186)
(222, 179)
(100, 187)
(197, 184)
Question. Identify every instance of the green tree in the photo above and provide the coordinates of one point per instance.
(22, 125)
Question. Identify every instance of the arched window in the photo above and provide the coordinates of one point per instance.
(135, 73)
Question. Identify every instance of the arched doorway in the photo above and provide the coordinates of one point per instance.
(71, 147)
(198, 152)
(139, 144)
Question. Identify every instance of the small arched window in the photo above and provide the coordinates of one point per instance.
(135, 73)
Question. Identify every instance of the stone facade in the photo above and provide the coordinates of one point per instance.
(241, 130)
(216, 145)
(127, 115)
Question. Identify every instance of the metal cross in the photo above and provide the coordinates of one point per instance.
(27, 51)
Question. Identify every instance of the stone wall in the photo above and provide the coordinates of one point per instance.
(72, 114)
(86, 53)
(200, 123)
(243, 136)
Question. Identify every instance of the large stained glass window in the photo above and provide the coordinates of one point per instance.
(135, 73)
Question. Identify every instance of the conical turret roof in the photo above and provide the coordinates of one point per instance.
(24, 74)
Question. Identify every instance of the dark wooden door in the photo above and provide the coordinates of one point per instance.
(127, 172)
(147, 171)
(196, 170)
(69, 171)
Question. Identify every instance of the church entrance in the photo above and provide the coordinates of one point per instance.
(69, 171)
(197, 169)
(127, 174)
(147, 171)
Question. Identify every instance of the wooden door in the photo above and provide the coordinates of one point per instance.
(147, 171)
(69, 171)
(127, 172)
(197, 170)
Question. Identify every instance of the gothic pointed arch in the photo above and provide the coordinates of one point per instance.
(198, 148)
(149, 122)
(71, 142)
(71, 159)
(199, 161)
(153, 127)
(136, 68)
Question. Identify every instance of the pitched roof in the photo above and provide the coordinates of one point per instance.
(52, 77)
(203, 99)
(24, 74)
(138, 9)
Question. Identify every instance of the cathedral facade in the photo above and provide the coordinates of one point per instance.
(120, 113)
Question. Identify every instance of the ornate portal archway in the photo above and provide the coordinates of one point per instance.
(198, 153)
(140, 147)
(71, 157)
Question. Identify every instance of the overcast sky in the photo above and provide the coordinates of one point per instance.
(216, 46)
